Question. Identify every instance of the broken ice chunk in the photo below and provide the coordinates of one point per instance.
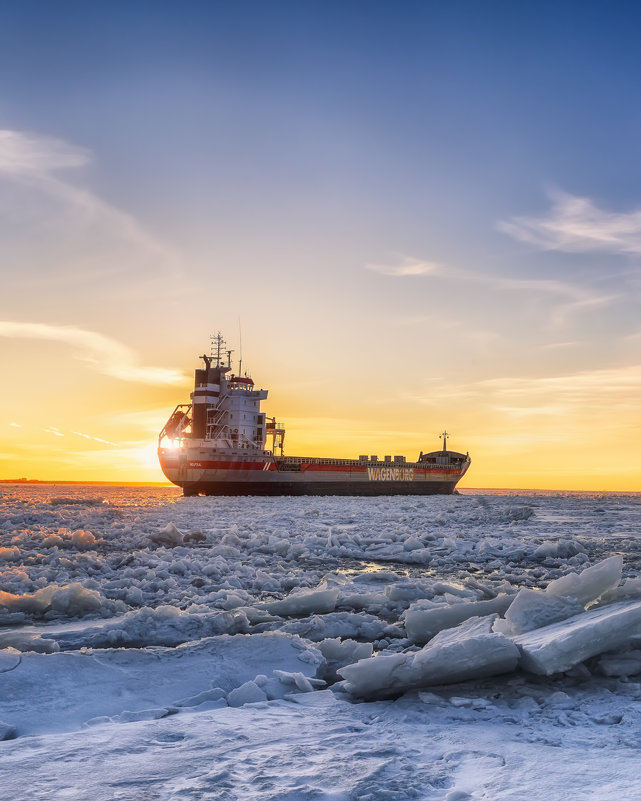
(631, 588)
(560, 646)
(591, 583)
(532, 609)
(304, 603)
(623, 665)
(339, 653)
(26, 641)
(563, 548)
(169, 535)
(422, 624)
(468, 651)
(247, 693)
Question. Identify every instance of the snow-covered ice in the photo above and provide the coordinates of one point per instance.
(468, 651)
(464, 647)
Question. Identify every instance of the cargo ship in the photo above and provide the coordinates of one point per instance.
(223, 444)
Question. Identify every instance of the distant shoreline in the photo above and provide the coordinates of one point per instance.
(91, 483)
(460, 490)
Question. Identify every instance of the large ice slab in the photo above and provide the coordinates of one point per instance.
(423, 624)
(304, 603)
(533, 609)
(591, 583)
(560, 646)
(166, 626)
(471, 650)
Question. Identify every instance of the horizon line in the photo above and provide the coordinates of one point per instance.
(77, 482)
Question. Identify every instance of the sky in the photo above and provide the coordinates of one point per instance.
(420, 215)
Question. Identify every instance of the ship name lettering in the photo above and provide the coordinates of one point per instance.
(390, 473)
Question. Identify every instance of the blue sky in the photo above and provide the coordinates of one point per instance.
(451, 189)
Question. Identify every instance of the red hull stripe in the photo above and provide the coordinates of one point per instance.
(312, 468)
(221, 465)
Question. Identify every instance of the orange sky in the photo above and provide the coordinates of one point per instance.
(574, 432)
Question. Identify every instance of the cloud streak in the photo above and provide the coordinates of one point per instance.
(35, 161)
(577, 225)
(105, 355)
(29, 154)
(574, 298)
(565, 397)
(408, 268)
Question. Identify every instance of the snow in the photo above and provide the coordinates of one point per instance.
(153, 646)
(135, 680)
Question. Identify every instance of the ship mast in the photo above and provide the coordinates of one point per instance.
(444, 437)
(218, 349)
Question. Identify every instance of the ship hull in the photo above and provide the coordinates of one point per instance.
(353, 488)
(269, 476)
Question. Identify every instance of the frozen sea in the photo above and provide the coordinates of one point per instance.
(158, 648)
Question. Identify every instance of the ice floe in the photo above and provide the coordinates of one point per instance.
(469, 651)
(228, 642)
(561, 646)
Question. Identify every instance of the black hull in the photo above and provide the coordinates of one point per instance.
(360, 488)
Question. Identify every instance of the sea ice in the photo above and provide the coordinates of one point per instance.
(339, 653)
(163, 626)
(562, 548)
(247, 693)
(64, 690)
(422, 624)
(169, 536)
(532, 609)
(560, 646)
(471, 650)
(631, 588)
(28, 641)
(301, 604)
(83, 540)
(341, 624)
(591, 583)
(71, 600)
(381, 554)
(627, 663)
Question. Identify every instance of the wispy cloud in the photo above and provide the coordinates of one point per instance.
(565, 396)
(104, 354)
(560, 345)
(51, 430)
(118, 241)
(408, 267)
(577, 225)
(29, 154)
(94, 439)
(572, 298)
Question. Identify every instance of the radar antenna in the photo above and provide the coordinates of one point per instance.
(218, 348)
(444, 437)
